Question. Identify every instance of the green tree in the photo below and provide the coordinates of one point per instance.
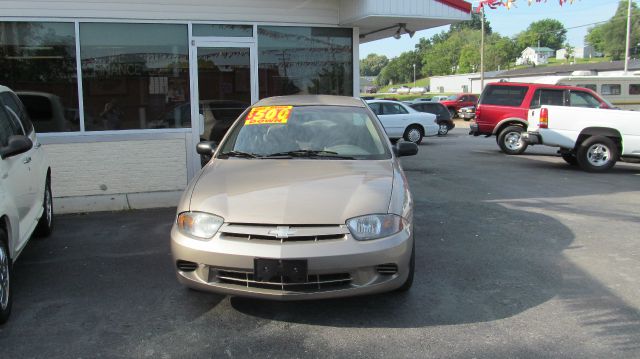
(610, 37)
(544, 33)
(373, 64)
(400, 69)
(569, 51)
(474, 24)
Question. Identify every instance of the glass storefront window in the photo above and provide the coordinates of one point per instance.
(305, 60)
(223, 30)
(38, 61)
(134, 76)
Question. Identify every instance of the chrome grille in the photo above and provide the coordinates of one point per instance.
(282, 233)
(315, 282)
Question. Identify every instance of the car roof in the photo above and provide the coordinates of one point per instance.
(389, 101)
(535, 85)
(311, 100)
(5, 89)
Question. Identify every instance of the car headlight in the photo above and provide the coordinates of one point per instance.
(199, 224)
(374, 226)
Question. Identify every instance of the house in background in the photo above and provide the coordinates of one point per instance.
(535, 56)
(584, 52)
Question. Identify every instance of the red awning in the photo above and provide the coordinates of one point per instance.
(458, 4)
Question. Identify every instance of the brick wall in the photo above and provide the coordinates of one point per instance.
(103, 168)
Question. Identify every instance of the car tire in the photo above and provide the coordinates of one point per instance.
(45, 224)
(510, 140)
(443, 129)
(412, 268)
(6, 298)
(413, 134)
(597, 154)
(570, 158)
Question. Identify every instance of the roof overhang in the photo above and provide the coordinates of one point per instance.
(379, 19)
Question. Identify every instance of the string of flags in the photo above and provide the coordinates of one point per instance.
(494, 4)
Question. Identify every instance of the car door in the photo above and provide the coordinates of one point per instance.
(37, 164)
(394, 119)
(15, 176)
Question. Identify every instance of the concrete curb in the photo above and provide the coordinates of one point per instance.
(116, 202)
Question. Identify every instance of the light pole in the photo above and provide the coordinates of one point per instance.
(481, 51)
(626, 52)
(414, 75)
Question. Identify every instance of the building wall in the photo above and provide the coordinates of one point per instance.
(455, 83)
(309, 12)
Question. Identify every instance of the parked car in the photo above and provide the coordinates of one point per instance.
(443, 118)
(439, 98)
(502, 110)
(26, 205)
(403, 90)
(455, 102)
(467, 113)
(418, 90)
(304, 199)
(401, 121)
(422, 99)
(393, 90)
(591, 137)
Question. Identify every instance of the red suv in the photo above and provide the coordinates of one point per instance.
(455, 102)
(503, 106)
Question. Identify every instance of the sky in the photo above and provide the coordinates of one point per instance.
(510, 22)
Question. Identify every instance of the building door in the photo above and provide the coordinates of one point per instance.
(224, 84)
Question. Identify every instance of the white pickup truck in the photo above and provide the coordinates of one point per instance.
(592, 138)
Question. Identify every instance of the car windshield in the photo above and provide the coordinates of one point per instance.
(452, 98)
(318, 132)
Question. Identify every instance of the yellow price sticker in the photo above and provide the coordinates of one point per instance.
(268, 115)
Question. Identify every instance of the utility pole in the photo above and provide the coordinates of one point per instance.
(481, 51)
(626, 52)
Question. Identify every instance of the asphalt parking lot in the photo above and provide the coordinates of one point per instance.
(517, 257)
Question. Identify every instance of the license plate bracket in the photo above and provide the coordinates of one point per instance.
(280, 270)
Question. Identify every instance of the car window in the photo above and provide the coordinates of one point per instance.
(634, 89)
(591, 87)
(611, 89)
(376, 107)
(345, 131)
(503, 95)
(15, 105)
(393, 109)
(547, 97)
(8, 126)
(473, 98)
(583, 99)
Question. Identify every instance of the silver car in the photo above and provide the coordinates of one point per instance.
(304, 198)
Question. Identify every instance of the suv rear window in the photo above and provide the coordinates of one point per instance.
(503, 95)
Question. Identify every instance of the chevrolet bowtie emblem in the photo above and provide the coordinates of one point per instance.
(282, 232)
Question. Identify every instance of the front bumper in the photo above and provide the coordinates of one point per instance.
(340, 268)
(531, 138)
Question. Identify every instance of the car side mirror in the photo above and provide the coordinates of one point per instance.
(206, 148)
(402, 149)
(16, 145)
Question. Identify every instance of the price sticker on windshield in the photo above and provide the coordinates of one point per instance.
(268, 115)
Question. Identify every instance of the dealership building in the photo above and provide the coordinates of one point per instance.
(112, 86)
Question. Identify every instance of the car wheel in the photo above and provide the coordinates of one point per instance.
(570, 158)
(510, 140)
(443, 129)
(5, 278)
(412, 268)
(597, 154)
(413, 134)
(45, 224)
(452, 112)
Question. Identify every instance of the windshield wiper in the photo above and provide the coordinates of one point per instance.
(310, 154)
(239, 154)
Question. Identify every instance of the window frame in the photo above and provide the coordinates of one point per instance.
(571, 92)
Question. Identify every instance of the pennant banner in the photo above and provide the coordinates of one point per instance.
(494, 4)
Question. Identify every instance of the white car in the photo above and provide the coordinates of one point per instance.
(439, 98)
(401, 121)
(26, 205)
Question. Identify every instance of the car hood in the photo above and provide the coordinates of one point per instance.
(295, 191)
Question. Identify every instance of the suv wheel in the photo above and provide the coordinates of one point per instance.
(597, 154)
(413, 134)
(443, 129)
(510, 140)
(5, 277)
